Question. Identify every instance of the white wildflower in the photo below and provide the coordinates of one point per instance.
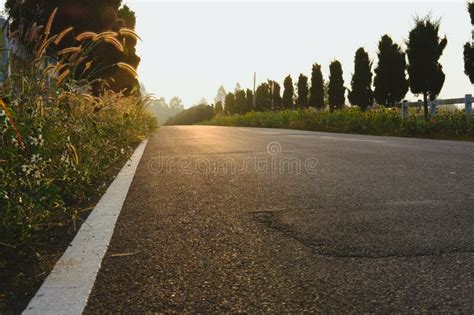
(26, 169)
(40, 140)
(36, 158)
(2, 113)
(33, 141)
(122, 151)
(37, 174)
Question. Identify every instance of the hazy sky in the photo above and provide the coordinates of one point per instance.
(190, 48)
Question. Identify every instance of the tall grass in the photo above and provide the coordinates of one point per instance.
(60, 143)
(382, 122)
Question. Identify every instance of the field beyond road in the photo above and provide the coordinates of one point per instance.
(264, 220)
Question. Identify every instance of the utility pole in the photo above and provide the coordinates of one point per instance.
(273, 106)
(254, 92)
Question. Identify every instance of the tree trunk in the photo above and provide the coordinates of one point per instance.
(425, 104)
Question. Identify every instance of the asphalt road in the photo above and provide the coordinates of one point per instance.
(264, 220)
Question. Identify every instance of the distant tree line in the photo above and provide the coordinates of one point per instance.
(417, 69)
(198, 113)
(163, 110)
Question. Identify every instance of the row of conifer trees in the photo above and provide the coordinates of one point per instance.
(399, 70)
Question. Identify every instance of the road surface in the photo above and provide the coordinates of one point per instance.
(264, 220)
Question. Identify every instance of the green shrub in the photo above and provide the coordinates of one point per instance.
(60, 142)
(382, 122)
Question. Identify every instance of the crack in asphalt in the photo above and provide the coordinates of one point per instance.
(268, 219)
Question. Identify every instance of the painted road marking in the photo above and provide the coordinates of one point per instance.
(67, 288)
(352, 139)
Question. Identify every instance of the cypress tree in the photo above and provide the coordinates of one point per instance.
(361, 85)
(316, 95)
(249, 101)
(390, 82)
(240, 101)
(263, 100)
(302, 99)
(469, 48)
(424, 48)
(275, 94)
(288, 93)
(229, 105)
(336, 89)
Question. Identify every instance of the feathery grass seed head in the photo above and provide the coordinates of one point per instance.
(69, 50)
(114, 42)
(85, 35)
(47, 31)
(127, 68)
(129, 33)
(104, 34)
(63, 34)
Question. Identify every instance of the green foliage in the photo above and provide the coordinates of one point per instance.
(469, 61)
(288, 93)
(249, 98)
(361, 85)
(424, 48)
(60, 145)
(240, 102)
(229, 104)
(275, 95)
(382, 122)
(192, 115)
(303, 91)
(218, 110)
(390, 82)
(72, 146)
(469, 49)
(316, 93)
(470, 9)
(263, 97)
(336, 89)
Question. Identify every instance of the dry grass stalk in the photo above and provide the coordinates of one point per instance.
(45, 46)
(63, 76)
(47, 31)
(105, 34)
(62, 35)
(59, 67)
(127, 68)
(69, 50)
(85, 35)
(129, 33)
(114, 42)
(35, 35)
(48, 69)
(88, 97)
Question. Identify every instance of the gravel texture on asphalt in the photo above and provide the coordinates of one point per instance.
(282, 221)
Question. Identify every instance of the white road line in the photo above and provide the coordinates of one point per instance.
(67, 288)
(352, 139)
